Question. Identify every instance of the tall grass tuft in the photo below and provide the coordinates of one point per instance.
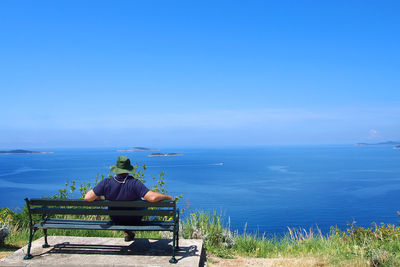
(209, 227)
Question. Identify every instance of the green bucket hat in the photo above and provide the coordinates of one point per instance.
(123, 165)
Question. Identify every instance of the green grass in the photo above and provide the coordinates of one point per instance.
(378, 245)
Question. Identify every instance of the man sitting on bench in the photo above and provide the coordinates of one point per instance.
(124, 187)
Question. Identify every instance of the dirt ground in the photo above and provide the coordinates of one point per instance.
(240, 261)
(5, 253)
(213, 261)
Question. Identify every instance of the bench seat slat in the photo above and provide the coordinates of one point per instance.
(101, 203)
(103, 212)
(160, 227)
(56, 220)
(81, 222)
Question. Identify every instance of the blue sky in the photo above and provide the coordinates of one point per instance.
(198, 73)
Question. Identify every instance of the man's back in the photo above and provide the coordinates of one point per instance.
(121, 189)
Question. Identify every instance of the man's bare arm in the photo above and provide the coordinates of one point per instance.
(91, 196)
(152, 196)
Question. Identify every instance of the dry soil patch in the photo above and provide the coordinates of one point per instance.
(265, 262)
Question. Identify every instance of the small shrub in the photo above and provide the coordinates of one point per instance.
(209, 227)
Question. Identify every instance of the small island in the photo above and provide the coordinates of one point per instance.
(138, 148)
(164, 154)
(21, 151)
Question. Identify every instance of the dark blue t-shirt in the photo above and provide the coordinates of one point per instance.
(117, 190)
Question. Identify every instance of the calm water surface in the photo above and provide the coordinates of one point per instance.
(267, 188)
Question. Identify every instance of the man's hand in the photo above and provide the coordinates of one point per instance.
(91, 196)
(155, 196)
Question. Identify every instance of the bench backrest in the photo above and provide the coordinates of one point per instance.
(99, 207)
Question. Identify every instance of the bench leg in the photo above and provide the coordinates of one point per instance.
(177, 239)
(28, 252)
(173, 259)
(45, 245)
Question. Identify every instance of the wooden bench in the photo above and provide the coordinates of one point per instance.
(50, 207)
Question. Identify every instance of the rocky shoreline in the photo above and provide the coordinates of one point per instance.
(164, 154)
(22, 152)
(138, 149)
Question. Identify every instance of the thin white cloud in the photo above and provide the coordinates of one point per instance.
(219, 119)
(373, 134)
(214, 119)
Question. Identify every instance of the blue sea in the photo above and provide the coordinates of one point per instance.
(262, 189)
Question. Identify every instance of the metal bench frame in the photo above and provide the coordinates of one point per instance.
(47, 207)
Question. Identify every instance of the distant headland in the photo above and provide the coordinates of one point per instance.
(21, 151)
(138, 148)
(387, 143)
(164, 154)
(396, 145)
